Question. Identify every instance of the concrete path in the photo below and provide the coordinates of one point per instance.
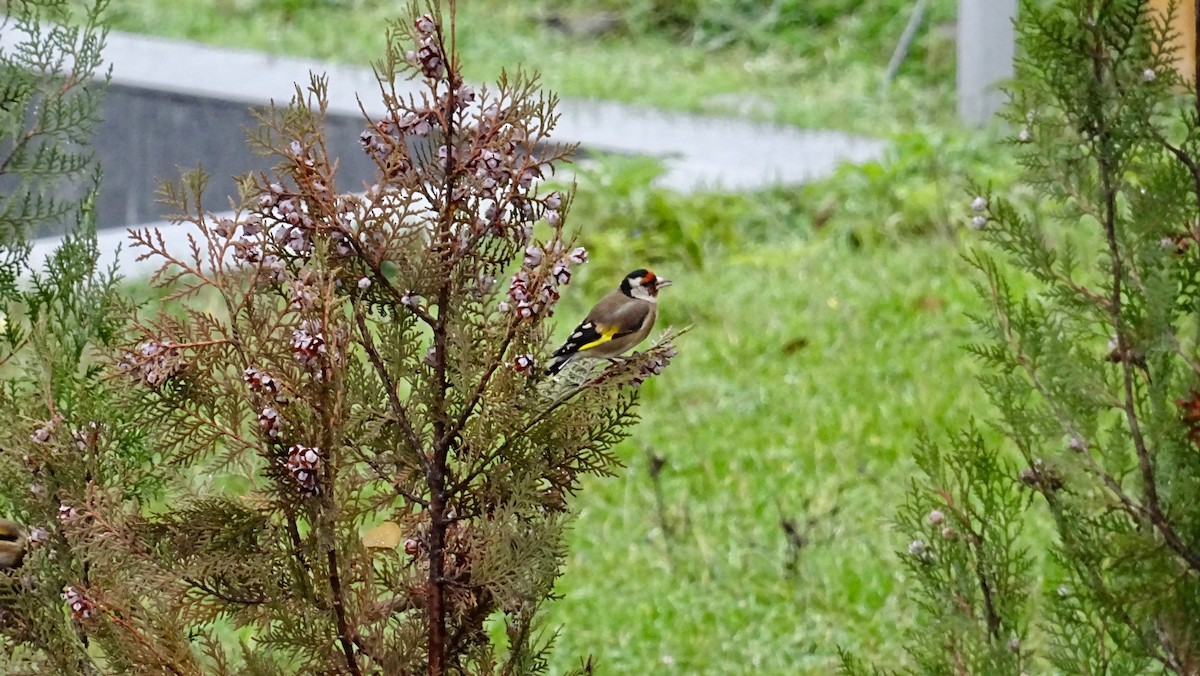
(176, 104)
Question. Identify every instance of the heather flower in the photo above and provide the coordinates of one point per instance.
(82, 607)
(653, 365)
(225, 228)
(429, 58)
(304, 295)
(523, 363)
(38, 536)
(561, 273)
(67, 512)
(269, 422)
(252, 225)
(920, 551)
(308, 343)
(533, 256)
(425, 24)
(42, 434)
(152, 362)
(302, 464)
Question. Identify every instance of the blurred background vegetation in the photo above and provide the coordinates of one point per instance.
(751, 532)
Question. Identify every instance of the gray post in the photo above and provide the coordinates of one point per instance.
(986, 47)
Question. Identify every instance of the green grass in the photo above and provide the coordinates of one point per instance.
(812, 364)
(831, 78)
(797, 395)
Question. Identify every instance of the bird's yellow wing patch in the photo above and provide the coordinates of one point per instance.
(606, 335)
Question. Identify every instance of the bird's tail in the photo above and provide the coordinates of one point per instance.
(558, 363)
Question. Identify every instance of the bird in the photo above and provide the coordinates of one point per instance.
(619, 321)
(12, 544)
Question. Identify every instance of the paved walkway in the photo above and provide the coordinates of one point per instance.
(698, 152)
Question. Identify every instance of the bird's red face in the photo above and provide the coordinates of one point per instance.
(644, 284)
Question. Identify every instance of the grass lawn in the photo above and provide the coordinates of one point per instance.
(830, 78)
(796, 397)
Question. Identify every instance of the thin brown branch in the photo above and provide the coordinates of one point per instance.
(345, 636)
(218, 594)
(1152, 507)
(140, 638)
(389, 385)
(379, 472)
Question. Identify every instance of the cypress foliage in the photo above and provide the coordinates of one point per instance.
(332, 446)
(1092, 362)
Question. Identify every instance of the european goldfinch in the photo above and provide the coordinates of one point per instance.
(12, 544)
(619, 321)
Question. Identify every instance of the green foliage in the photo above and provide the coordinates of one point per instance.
(70, 450)
(916, 189)
(1091, 360)
(973, 573)
(45, 163)
(372, 365)
(634, 221)
(807, 27)
(827, 73)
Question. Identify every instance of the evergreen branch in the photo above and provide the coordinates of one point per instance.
(975, 541)
(1130, 506)
(437, 470)
(389, 385)
(400, 490)
(339, 610)
(216, 593)
(298, 550)
(1151, 505)
(460, 423)
(137, 635)
(1099, 587)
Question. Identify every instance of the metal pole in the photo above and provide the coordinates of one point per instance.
(986, 47)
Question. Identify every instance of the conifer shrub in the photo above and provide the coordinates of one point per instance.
(340, 451)
(1073, 545)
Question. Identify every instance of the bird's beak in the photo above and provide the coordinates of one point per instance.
(662, 283)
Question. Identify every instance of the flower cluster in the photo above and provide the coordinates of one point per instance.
(85, 437)
(308, 343)
(82, 606)
(42, 434)
(920, 551)
(653, 365)
(532, 294)
(979, 205)
(270, 422)
(67, 512)
(280, 207)
(429, 55)
(304, 291)
(1038, 475)
(524, 363)
(153, 362)
(38, 536)
(303, 463)
(262, 383)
